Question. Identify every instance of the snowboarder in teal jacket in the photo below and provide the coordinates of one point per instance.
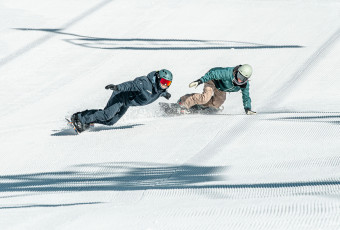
(217, 82)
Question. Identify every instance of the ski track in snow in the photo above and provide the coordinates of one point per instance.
(297, 77)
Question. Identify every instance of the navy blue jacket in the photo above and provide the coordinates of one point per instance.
(142, 90)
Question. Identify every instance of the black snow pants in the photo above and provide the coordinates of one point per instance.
(116, 107)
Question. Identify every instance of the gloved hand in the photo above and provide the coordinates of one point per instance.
(249, 112)
(112, 87)
(195, 83)
(166, 95)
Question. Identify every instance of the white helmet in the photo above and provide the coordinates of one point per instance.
(246, 70)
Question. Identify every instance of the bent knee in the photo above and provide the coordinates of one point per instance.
(107, 115)
(204, 98)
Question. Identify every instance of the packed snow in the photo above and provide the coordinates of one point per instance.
(279, 169)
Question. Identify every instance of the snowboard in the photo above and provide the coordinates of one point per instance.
(175, 109)
(70, 124)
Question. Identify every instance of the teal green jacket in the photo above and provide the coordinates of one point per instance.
(223, 80)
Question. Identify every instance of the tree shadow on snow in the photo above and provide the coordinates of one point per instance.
(121, 176)
(48, 205)
(322, 118)
(131, 176)
(155, 44)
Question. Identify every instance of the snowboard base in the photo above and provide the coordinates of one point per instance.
(70, 124)
(175, 109)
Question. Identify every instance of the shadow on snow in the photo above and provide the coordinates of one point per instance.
(322, 118)
(130, 176)
(71, 132)
(48, 205)
(113, 176)
(156, 44)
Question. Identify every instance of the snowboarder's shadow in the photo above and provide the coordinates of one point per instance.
(71, 132)
(64, 132)
(102, 128)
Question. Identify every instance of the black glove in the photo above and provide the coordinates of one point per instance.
(112, 87)
(249, 112)
(195, 83)
(166, 95)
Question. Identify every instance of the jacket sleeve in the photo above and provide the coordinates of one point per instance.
(136, 85)
(246, 98)
(164, 93)
(213, 74)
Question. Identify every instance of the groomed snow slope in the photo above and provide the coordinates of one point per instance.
(276, 170)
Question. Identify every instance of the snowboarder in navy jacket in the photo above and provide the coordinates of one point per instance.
(141, 91)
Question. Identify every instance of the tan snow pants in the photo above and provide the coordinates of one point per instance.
(211, 97)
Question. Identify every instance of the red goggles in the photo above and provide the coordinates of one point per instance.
(165, 82)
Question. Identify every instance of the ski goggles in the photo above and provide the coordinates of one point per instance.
(165, 82)
(240, 78)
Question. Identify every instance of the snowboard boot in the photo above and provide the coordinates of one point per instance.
(88, 126)
(181, 108)
(77, 123)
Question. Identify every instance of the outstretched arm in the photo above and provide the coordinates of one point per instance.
(216, 73)
(247, 101)
(112, 87)
(195, 83)
(135, 85)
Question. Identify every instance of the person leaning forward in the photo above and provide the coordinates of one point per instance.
(141, 91)
(217, 82)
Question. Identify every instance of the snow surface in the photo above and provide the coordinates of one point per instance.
(276, 170)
